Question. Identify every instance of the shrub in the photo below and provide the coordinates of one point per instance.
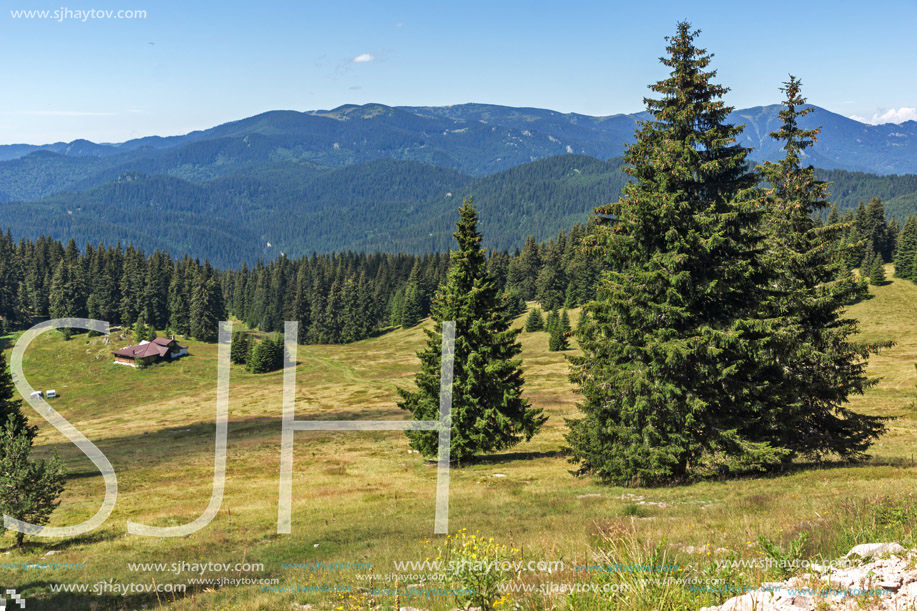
(467, 558)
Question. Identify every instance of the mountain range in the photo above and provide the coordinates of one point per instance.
(376, 177)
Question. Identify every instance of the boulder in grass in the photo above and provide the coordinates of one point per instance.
(875, 549)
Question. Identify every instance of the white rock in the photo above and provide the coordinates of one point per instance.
(872, 549)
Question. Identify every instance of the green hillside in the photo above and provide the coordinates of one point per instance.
(211, 207)
(300, 207)
(362, 498)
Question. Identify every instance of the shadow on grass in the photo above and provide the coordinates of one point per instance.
(179, 444)
(806, 466)
(496, 459)
(97, 596)
(41, 547)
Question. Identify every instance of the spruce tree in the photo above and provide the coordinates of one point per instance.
(10, 405)
(412, 309)
(179, 301)
(523, 270)
(876, 230)
(67, 297)
(551, 283)
(565, 322)
(29, 490)
(906, 251)
(876, 271)
(668, 372)
(155, 298)
(818, 366)
(535, 321)
(140, 331)
(206, 306)
(552, 321)
(489, 412)
(240, 348)
(558, 340)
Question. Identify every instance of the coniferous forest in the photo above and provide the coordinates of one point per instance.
(336, 298)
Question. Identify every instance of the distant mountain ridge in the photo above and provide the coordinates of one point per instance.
(476, 139)
(375, 177)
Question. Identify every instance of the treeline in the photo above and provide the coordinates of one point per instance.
(336, 298)
(868, 234)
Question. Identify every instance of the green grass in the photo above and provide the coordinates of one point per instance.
(362, 497)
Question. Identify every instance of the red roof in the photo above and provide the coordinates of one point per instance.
(158, 347)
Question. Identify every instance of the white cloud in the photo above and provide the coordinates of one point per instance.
(897, 116)
(363, 57)
(893, 115)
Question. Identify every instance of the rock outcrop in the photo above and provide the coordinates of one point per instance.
(884, 580)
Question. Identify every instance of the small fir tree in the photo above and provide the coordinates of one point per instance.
(558, 339)
(239, 350)
(489, 412)
(876, 271)
(552, 322)
(535, 321)
(29, 489)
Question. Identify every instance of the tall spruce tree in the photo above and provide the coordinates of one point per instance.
(207, 309)
(412, 309)
(818, 366)
(489, 412)
(668, 373)
(906, 251)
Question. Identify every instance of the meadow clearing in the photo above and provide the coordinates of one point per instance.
(363, 498)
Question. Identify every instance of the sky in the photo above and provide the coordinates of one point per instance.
(192, 65)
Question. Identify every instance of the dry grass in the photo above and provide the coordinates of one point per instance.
(361, 497)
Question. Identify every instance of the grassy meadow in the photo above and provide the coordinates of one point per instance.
(362, 497)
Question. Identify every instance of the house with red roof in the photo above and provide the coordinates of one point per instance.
(147, 353)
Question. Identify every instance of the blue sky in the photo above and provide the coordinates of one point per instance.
(209, 63)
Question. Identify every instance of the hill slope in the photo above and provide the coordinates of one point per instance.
(475, 139)
(361, 497)
(296, 208)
